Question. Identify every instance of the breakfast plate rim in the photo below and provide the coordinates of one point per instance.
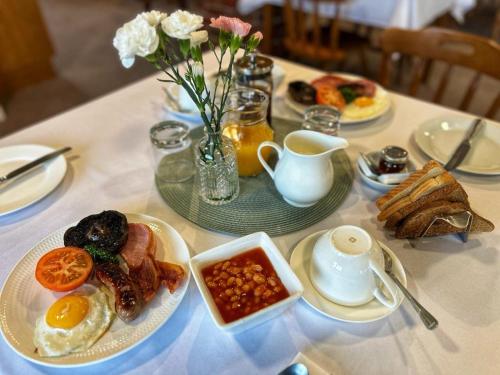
(296, 264)
(182, 251)
(299, 108)
(58, 166)
(423, 142)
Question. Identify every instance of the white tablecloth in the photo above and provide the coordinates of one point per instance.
(110, 169)
(407, 14)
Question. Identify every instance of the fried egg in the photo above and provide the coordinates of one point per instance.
(73, 323)
(359, 109)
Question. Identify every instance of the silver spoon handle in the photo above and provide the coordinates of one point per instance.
(428, 319)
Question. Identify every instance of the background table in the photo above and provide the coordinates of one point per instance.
(407, 14)
(111, 169)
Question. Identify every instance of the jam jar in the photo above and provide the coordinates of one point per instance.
(393, 159)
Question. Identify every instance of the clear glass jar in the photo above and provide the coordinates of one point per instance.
(246, 125)
(255, 71)
(393, 159)
(217, 169)
(172, 154)
(323, 119)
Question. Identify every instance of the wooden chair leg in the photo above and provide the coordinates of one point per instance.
(426, 71)
(400, 66)
(362, 59)
(267, 28)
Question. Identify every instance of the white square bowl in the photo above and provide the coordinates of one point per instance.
(231, 249)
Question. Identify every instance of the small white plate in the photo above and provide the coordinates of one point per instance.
(381, 94)
(187, 114)
(369, 312)
(193, 115)
(23, 300)
(32, 186)
(439, 137)
(375, 184)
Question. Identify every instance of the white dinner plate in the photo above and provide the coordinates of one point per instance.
(439, 137)
(23, 300)
(381, 94)
(32, 186)
(369, 312)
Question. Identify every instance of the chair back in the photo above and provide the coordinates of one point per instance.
(304, 29)
(455, 48)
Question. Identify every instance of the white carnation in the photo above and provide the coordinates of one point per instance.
(135, 38)
(181, 24)
(197, 69)
(154, 17)
(198, 37)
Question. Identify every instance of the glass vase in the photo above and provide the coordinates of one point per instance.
(217, 169)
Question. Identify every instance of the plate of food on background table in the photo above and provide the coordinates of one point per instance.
(93, 290)
(358, 99)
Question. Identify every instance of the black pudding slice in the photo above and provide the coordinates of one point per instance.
(107, 230)
(302, 92)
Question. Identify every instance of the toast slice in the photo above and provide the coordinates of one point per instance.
(453, 193)
(430, 170)
(432, 189)
(416, 223)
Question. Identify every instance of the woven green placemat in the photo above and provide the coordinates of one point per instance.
(259, 207)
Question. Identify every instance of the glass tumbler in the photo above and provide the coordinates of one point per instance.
(173, 157)
(323, 119)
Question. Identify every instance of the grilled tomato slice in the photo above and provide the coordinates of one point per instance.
(330, 96)
(64, 269)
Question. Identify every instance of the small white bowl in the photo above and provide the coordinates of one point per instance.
(375, 184)
(231, 249)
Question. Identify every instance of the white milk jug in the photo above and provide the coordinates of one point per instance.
(304, 172)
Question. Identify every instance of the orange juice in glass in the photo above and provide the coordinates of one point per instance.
(246, 125)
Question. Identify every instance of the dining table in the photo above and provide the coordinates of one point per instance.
(406, 14)
(111, 167)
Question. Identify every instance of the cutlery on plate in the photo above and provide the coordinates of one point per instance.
(295, 369)
(32, 164)
(427, 318)
(372, 172)
(464, 147)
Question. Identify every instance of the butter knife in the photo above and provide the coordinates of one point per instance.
(33, 164)
(464, 147)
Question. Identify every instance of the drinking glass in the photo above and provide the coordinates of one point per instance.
(322, 118)
(173, 157)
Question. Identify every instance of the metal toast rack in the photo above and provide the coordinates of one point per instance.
(461, 220)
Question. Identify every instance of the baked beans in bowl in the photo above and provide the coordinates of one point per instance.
(245, 282)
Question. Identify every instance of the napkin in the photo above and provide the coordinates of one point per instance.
(312, 367)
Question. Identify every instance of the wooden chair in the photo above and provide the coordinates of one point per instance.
(455, 48)
(305, 32)
(25, 47)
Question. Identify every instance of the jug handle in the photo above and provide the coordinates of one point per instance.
(261, 159)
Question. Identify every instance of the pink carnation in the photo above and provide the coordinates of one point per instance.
(231, 24)
(258, 35)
